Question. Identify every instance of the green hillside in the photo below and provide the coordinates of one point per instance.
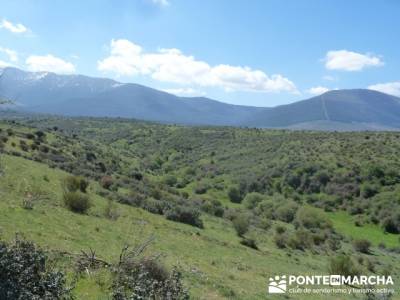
(228, 207)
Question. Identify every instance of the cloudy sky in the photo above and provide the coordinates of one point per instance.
(260, 53)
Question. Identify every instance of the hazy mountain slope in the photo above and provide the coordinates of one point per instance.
(31, 89)
(340, 106)
(77, 95)
(85, 96)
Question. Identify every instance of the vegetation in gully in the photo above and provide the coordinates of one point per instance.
(119, 209)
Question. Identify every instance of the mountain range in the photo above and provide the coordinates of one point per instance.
(78, 95)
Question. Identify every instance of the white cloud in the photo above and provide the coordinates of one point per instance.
(329, 78)
(161, 2)
(12, 55)
(171, 65)
(185, 92)
(391, 88)
(4, 64)
(350, 61)
(14, 28)
(318, 90)
(49, 63)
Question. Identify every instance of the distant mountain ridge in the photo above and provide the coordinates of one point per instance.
(78, 95)
(366, 108)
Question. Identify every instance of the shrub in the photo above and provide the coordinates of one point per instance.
(252, 200)
(391, 225)
(213, 207)
(201, 189)
(111, 210)
(24, 274)
(241, 224)
(74, 183)
(362, 245)
(234, 195)
(136, 175)
(251, 243)
(32, 195)
(280, 240)
(286, 212)
(368, 190)
(147, 279)
(280, 229)
(77, 202)
(154, 206)
(106, 182)
(44, 149)
(342, 265)
(312, 218)
(302, 239)
(23, 145)
(170, 180)
(40, 134)
(186, 215)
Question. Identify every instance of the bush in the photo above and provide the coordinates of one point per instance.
(362, 245)
(251, 243)
(302, 239)
(24, 274)
(201, 189)
(170, 180)
(286, 212)
(154, 206)
(312, 218)
(391, 225)
(186, 215)
(234, 195)
(148, 279)
(241, 224)
(75, 183)
(213, 207)
(342, 265)
(280, 229)
(77, 202)
(280, 240)
(111, 210)
(368, 190)
(106, 182)
(23, 145)
(252, 200)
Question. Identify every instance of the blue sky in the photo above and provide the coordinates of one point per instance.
(260, 53)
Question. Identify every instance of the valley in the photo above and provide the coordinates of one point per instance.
(228, 207)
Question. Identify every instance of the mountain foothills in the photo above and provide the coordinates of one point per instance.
(77, 95)
(124, 209)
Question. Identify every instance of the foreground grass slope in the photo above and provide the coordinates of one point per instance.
(215, 265)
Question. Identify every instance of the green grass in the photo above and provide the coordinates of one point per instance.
(344, 223)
